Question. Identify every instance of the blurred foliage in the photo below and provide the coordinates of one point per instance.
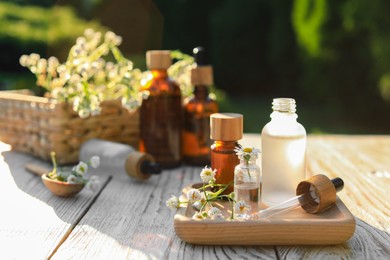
(352, 57)
(31, 29)
(329, 53)
(308, 18)
(42, 3)
(335, 53)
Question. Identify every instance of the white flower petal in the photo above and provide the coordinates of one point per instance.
(95, 161)
(207, 174)
(193, 195)
(72, 179)
(173, 202)
(93, 184)
(218, 217)
(214, 211)
(241, 207)
(81, 168)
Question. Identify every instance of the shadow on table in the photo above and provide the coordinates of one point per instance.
(141, 225)
(67, 209)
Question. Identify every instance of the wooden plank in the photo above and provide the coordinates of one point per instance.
(356, 159)
(361, 161)
(130, 220)
(32, 220)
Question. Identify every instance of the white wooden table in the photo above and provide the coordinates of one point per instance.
(128, 219)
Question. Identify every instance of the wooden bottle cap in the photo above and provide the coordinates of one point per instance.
(133, 165)
(202, 75)
(158, 59)
(324, 189)
(226, 126)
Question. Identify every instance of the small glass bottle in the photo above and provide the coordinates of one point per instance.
(120, 158)
(226, 130)
(197, 111)
(161, 112)
(283, 142)
(247, 181)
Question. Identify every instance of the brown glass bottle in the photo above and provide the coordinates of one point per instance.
(161, 113)
(197, 111)
(226, 130)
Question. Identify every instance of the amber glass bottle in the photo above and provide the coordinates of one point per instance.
(161, 112)
(197, 111)
(226, 130)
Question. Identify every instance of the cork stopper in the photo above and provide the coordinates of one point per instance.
(324, 191)
(226, 126)
(202, 75)
(158, 59)
(134, 162)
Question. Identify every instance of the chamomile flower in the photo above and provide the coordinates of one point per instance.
(218, 217)
(193, 195)
(81, 168)
(247, 153)
(85, 71)
(72, 179)
(214, 211)
(207, 174)
(173, 202)
(95, 161)
(93, 183)
(241, 207)
(197, 205)
(200, 215)
(24, 60)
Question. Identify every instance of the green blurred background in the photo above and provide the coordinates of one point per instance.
(332, 56)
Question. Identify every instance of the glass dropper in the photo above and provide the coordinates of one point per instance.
(312, 197)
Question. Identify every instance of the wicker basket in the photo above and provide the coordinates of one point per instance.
(38, 125)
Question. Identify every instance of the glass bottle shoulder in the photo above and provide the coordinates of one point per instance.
(225, 146)
(207, 105)
(162, 85)
(287, 126)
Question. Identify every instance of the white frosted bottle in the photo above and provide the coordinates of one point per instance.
(283, 143)
(120, 158)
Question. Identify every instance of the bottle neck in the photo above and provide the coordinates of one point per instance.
(247, 163)
(159, 73)
(284, 105)
(284, 116)
(201, 92)
(226, 144)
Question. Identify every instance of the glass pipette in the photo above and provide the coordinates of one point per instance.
(311, 197)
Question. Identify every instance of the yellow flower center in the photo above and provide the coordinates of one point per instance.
(247, 150)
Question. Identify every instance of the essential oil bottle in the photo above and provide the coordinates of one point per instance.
(197, 111)
(247, 181)
(283, 142)
(161, 112)
(120, 158)
(226, 130)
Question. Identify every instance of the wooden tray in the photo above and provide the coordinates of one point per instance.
(295, 227)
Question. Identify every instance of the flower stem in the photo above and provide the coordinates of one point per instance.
(53, 173)
(232, 204)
